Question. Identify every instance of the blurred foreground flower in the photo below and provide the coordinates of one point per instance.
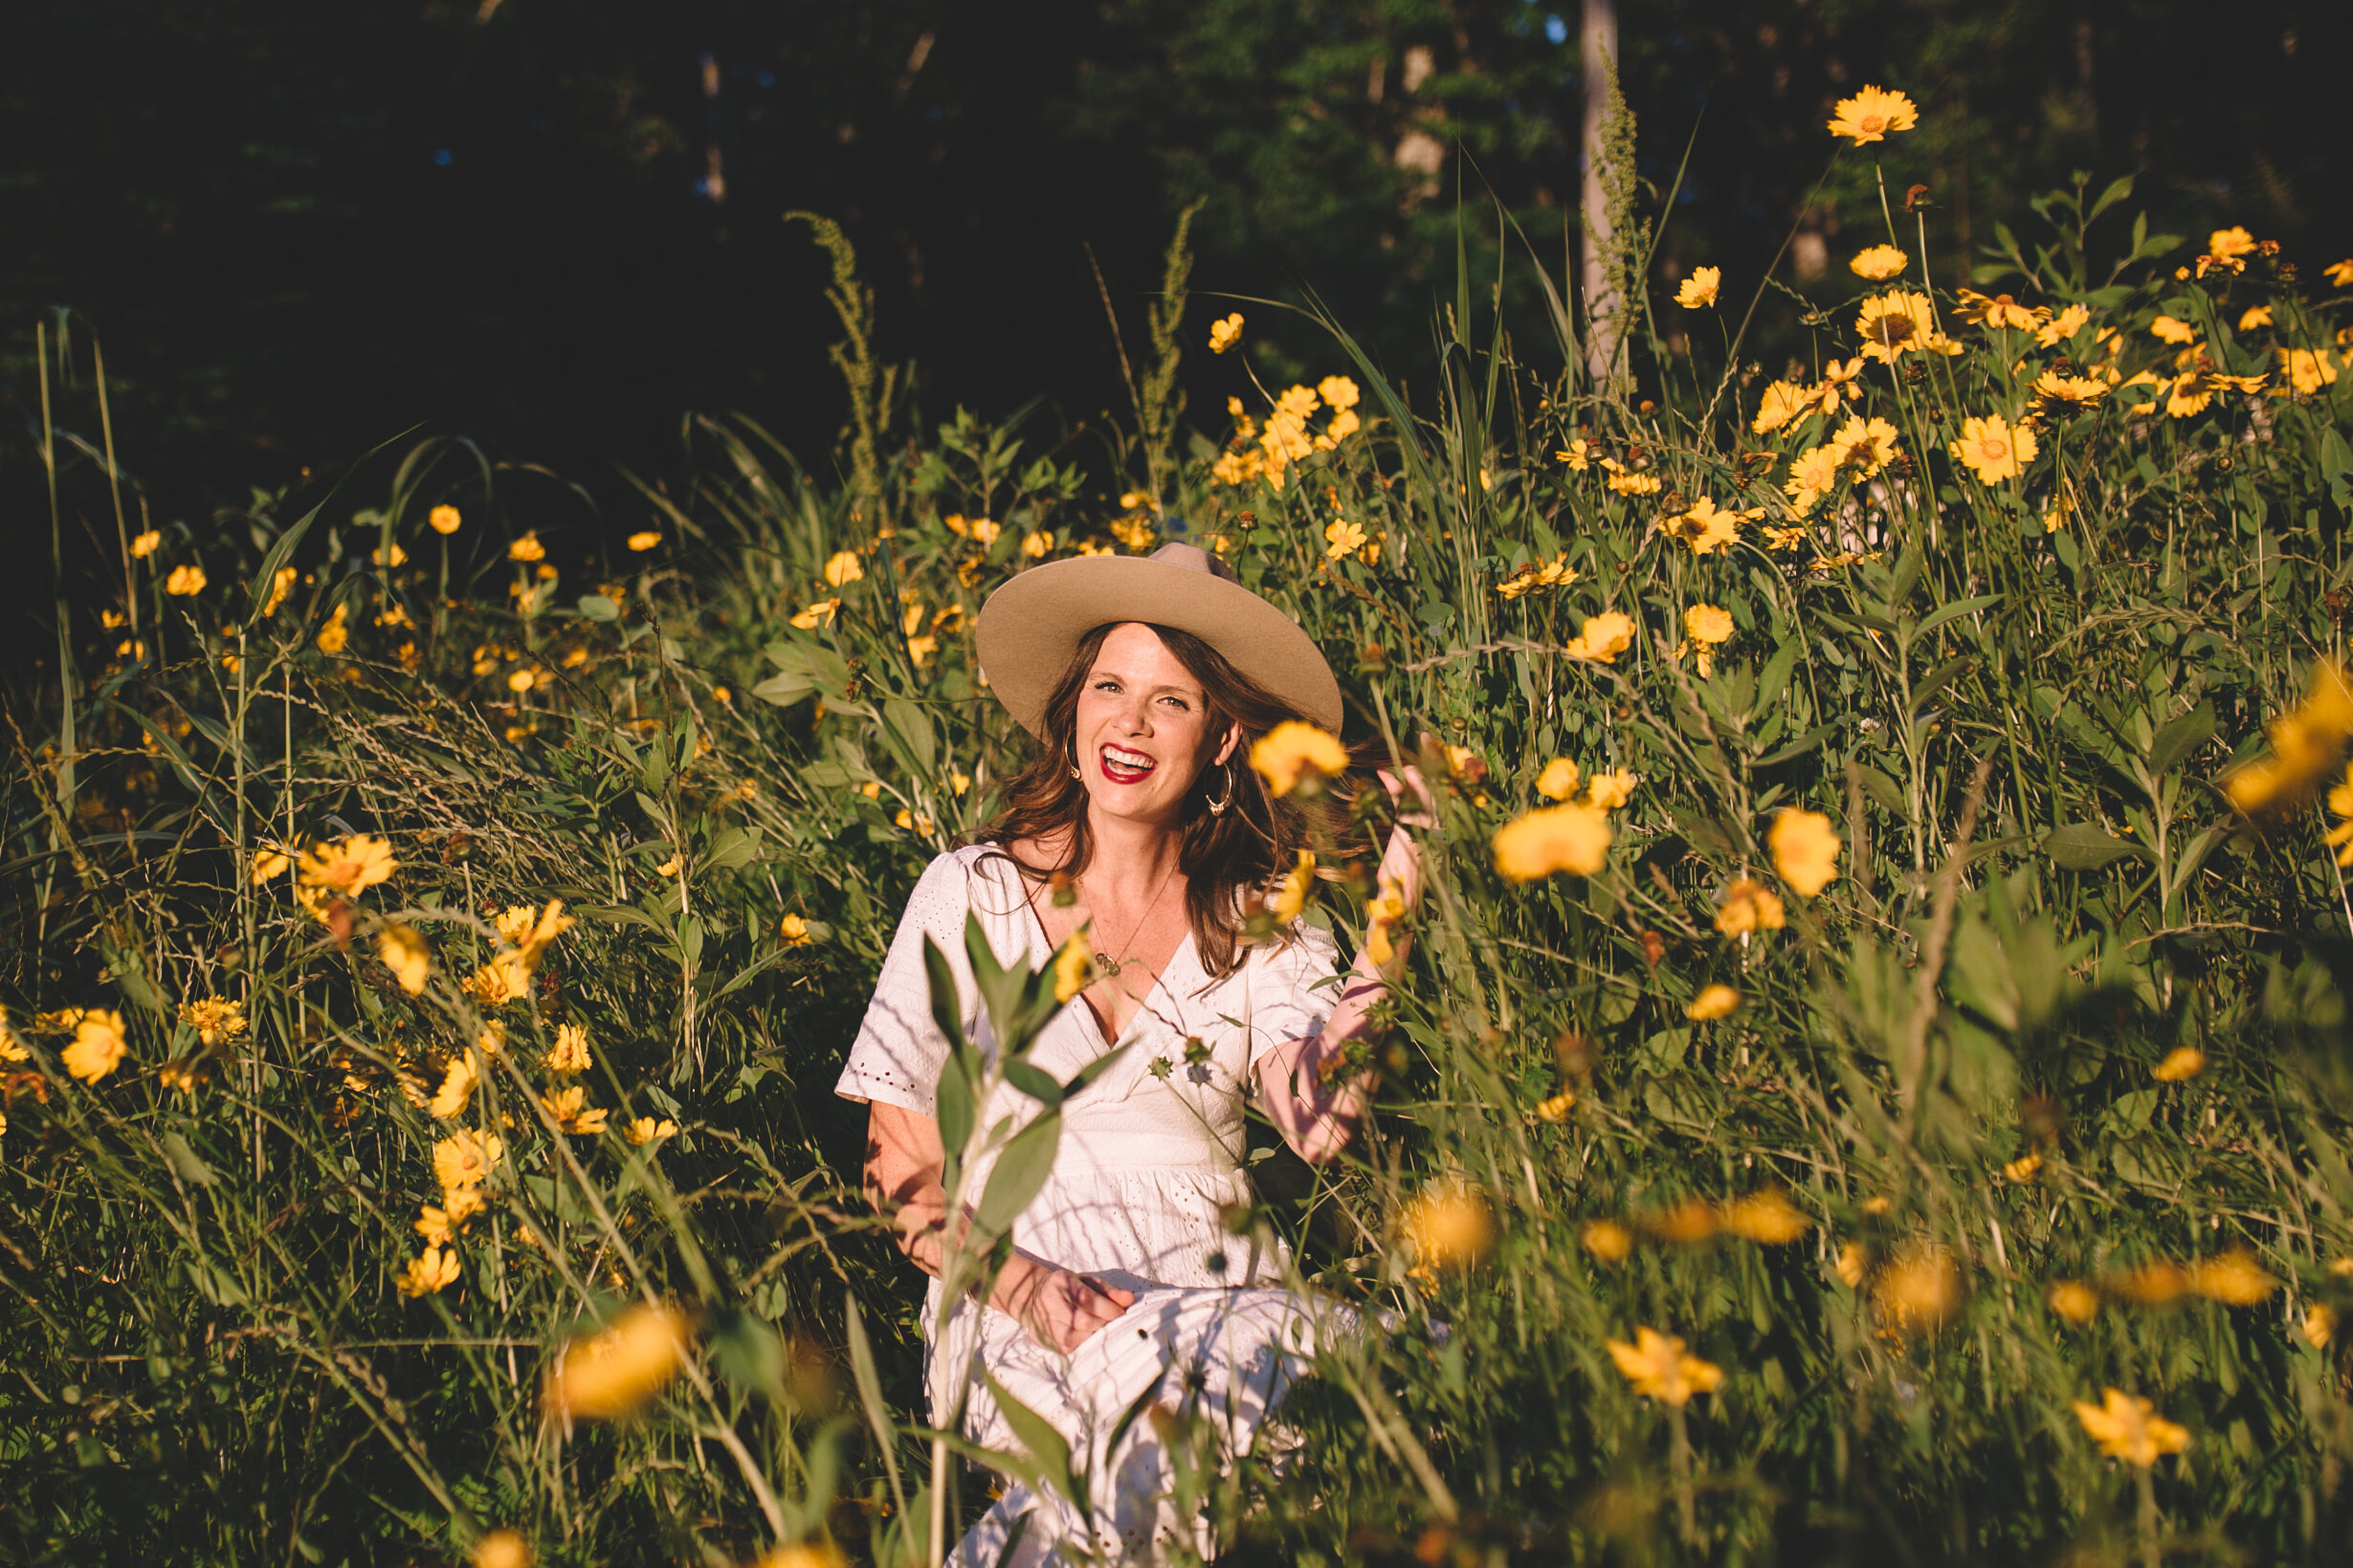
(1607, 1240)
(1804, 850)
(1602, 638)
(2075, 1301)
(1658, 1367)
(1766, 1217)
(1449, 1226)
(2180, 1064)
(1917, 1291)
(2234, 1278)
(1290, 896)
(806, 1554)
(2306, 742)
(1225, 332)
(1713, 1003)
(1750, 906)
(1553, 838)
(2128, 1428)
(1074, 967)
(97, 1044)
(1873, 115)
(185, 582)
(429, 1273)
(145, 544)
(503, 1549)
(403, 952)
(644, 540)
(609, 1373)
(443, 520)
(1295, 751)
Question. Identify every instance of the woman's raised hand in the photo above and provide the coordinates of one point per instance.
(1401, 860)
(1062, 1309)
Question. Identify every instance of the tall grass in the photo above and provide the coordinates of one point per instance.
(2045, 1094)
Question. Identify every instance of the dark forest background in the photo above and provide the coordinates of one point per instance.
(302, 229)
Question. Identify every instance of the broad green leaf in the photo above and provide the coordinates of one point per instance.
(2180, 737)
(1021, 1170)
(2087, 846)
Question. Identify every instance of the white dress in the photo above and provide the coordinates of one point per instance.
(1150, 1157)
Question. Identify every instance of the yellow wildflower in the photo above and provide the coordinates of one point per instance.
(403, 952)
(1345, 538)
(185, 581)
(569, 1054)
(794, 930)
(1893, 323)
(1381, 917)
(1338, 392)
(2075, 1301)
(2308, 370)
(439, 1223)
(1879, 263)
(1749, 907)
(1852, 1265)
(1704, 527)
(2128, 1428)
(1037, 543)
(609, 1373)
(2320, 1325)
(503, 1549)
(504, 979)
(2168, 330)
(527, 548)
(2021, 1170)
(1290, 897)
(1699, 290)
(2062, 326)
(457, 1087)
(1295, 751)
(1556, 573)
(1626, 483)
(1865, 445)
(426, 1275)
(1812, 477)
(282, 583)
(1602, 638)
(145, 546)
(2180, 1064)
(1782, 402)
(1607, 1240)
(1553, 838)
(1714, 1002)
(215, 1019)
(466, 1159)
(1578, 454)
(2306, 742)
(1917, 1291)
(1873, 115)
(1708, 625)
(820, 613)
(2189, 393)
(1225, 334)
(2052, 387)
(2234, 1278)
(336, 633)
(98, 1045)
(1804, 850)
(645, 1130)
(1558, 780)
(2231, 243)
(2253, 317)
(1658, 1367)
(842, 568)
(570, 1110)
(1994, 449)
(1611, 789)
(1766, 1217)
(2000, 310)
(1074, 970)
(1449, 1226)
(12, 1048)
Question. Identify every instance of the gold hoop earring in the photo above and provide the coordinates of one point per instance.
(1074, 773)
(1218, 806)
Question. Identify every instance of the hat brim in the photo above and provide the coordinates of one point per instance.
(1031, 627)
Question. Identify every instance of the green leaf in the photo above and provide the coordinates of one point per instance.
(1884, 791)
(870, 1396)
(185, 1161)
(2087, 846)
(1033, 1081)
(1952, 612)
(1021, 1170)
(2180, 737)
(596, 607)
(1047, 1448)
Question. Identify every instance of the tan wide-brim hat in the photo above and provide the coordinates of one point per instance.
(1030, 628)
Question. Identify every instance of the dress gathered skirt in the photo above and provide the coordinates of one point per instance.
(1147, 1173)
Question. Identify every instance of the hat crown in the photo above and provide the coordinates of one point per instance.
(1194, 558)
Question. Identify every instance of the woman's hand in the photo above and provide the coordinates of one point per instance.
(1061, 1310)
(1401, 859)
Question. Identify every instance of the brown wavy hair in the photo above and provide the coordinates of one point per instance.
(1227, 858)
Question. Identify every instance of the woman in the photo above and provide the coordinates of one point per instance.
(1147, 679)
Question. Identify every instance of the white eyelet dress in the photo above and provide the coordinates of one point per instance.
(1150, 1157)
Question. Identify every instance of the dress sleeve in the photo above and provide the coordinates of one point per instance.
(1292, 990)
(899, 1051)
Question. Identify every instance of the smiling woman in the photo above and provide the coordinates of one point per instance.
(1146, 680)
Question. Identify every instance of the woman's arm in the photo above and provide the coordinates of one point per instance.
(904, 1162)
(1316, 1115)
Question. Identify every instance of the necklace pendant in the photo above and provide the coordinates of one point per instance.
(1105, 963)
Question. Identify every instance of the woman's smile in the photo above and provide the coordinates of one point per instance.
(1121, 765)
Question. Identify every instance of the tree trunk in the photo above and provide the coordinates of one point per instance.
(1597, 43)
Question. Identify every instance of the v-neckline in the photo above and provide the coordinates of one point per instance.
(1143, 1002)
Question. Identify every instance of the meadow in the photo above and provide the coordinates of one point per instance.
(1869, 1080)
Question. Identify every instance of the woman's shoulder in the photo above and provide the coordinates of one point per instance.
(970, 877)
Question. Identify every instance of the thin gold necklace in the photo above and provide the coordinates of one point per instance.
(1105, 961)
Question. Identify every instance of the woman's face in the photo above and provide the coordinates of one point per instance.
(1143, 729)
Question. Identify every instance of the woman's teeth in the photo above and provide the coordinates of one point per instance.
(1124, 767)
